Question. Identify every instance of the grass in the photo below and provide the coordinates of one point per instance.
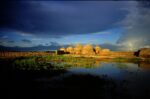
(52, 62)
(76, 85)
(49, 62)
(120, 59)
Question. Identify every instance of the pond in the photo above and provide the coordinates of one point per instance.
(130, 76)
(114, 70)
(105, 80)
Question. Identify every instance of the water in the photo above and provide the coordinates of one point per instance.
(106, 80)
(135, 79)
(117, 71)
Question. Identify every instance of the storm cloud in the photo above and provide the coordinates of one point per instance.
(26, 41)
(118, 25)
(56, 18)
(137, 27)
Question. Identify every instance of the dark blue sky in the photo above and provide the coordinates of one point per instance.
(118, 25)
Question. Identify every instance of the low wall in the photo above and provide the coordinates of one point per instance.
(144, 53)
(18, 54)
(117, 54)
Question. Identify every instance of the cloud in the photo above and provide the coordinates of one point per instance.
(54, 43)
(26, 41)
(57, 19)
(11, 41)
(24, 34)
(54, 19)
(114, 47)
(4, 37)
(34, 48)
(136, 25)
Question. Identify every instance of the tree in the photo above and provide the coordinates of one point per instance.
(88, 50)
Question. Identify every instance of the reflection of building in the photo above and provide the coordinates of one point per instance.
(144, 65)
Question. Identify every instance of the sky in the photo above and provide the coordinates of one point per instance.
(117, 25)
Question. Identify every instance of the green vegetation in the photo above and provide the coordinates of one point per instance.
(56, 62)
(120, 59)
(52, 62)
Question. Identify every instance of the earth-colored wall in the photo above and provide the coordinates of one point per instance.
(19, 54)
(117, 54)
(144, 52)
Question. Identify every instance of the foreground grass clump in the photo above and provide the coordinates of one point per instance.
(49, 62)
(52, 62)
(32, 63)
(68, 61)
(120, 59)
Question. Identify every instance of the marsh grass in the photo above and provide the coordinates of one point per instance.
(120, 59)
(53, 62)
(49, 62)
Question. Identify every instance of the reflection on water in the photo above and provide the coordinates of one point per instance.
(144, 65)
(127, 76)
(106, 80)
(134, 76)
(129, 79)
(113, 70)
